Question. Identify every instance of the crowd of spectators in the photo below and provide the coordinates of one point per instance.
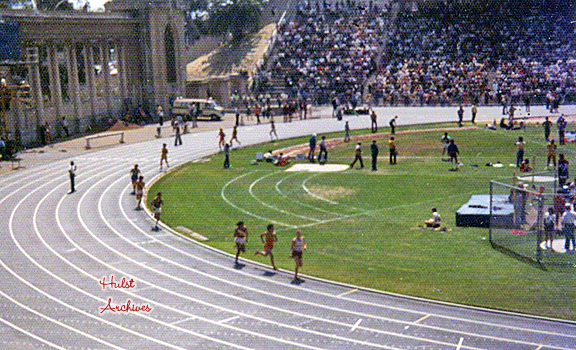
(491, 52)
(329, 50)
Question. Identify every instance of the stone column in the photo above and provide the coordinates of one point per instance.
(74, 83)
(121, 58)
(89, 52)
(33, 63)
(105, 51)
(55, 87)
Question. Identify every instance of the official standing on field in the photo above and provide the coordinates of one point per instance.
(374, 152)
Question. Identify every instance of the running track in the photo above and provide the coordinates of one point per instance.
(55, 248)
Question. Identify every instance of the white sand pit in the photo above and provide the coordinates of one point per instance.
(326, 168)
(537, 178)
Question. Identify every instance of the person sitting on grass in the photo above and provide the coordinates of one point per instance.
(282, 160)
(525, 166)
(434, 221)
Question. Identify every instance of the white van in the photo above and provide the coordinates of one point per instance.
(208, 108)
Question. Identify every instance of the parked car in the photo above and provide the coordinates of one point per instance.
(207, 108)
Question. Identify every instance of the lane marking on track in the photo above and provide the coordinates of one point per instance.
(183, 320)
(229, 319)
(422, 318)
(222, 194)
(460, 344)
(355, 325)
(250, 190)
(5, 266)
(538, 348)
(347, 292)
(314, 194)
(22, 330)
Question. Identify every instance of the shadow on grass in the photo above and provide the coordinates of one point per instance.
(562, 267)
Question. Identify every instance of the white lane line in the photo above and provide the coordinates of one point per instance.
(251, 188)
(60, 226)
(329, 295)
(313, 194)
(222, 194)
(277, 187)
(144, 281)
(184, 320)
(5, 266)
(229, 319)
(460, 344)
(355, 325)
(22, 330)
(347, 292)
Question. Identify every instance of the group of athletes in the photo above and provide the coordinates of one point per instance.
(268, 238)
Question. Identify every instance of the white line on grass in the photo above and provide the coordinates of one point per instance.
(250, 190)
(244, 210)
(299, 202)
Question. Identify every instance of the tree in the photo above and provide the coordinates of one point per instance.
(238, 17)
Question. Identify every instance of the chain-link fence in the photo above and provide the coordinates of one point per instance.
(518, 207)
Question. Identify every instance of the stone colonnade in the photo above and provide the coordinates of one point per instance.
(75, 114)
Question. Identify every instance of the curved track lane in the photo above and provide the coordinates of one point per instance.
(56, 248)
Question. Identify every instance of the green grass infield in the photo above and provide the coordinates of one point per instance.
(363, 227)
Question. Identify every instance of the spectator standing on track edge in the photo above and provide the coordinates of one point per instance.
(346, 132)
(374, 120)
(460, 116)
(72, 174)
(474, 112)
(177, 136)
(268, 238)
(240, 238)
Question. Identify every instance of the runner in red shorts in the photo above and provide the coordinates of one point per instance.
(268, 238)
